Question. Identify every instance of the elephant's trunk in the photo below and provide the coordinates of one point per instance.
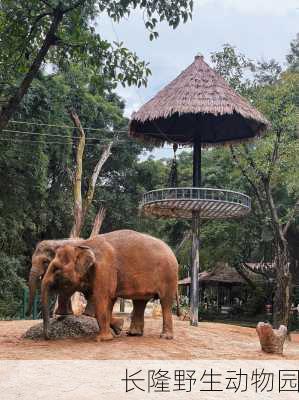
(32, 283)
(45, 308)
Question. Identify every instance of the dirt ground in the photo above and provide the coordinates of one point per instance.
(208, 341)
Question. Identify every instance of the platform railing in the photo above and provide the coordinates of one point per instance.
(191, 193)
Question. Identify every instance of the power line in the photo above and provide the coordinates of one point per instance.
(44, 142)
(54, 135)
(65, 126)
(116, 144)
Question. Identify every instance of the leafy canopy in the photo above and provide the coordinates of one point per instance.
(24, 25)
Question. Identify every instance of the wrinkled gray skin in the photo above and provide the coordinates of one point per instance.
(41, 258)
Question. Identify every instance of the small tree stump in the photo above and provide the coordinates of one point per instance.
(157, 310)
(271, 340)
(185, 315)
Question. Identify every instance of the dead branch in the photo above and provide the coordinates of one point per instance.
(93, 180)
(98, 222)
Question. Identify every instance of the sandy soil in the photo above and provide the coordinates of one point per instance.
(208, 341)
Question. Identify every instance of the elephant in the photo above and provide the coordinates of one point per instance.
(41, 258)
(122, 263)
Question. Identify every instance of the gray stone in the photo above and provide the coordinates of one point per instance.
(70, 326)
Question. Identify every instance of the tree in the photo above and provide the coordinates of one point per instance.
(37, 162)
(81, 206)
(293, 56)
(64, 32)
(267, 168)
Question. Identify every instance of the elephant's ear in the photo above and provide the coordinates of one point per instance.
(85, 258)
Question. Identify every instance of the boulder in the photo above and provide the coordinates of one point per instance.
(70, 326)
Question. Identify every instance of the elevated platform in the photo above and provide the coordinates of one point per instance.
(181, 202)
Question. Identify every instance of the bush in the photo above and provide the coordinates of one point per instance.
(11, 286)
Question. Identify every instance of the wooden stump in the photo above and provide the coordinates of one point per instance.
(271, 340)
(157, 310)
(185, 315)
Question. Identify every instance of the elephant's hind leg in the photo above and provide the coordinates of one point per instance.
(137, 318)
(167, 331)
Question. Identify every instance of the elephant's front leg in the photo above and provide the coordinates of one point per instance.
(137, 318)
(103, 316)
(89, 309)
(115, 323)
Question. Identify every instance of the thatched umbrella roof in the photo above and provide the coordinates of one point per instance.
(198, 102)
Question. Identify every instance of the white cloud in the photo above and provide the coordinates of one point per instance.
(258, 28)
(255, 7)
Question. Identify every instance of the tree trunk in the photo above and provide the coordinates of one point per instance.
(81, 206)
(9, 109)
(77, 189)
(282, 297)
(271, 340)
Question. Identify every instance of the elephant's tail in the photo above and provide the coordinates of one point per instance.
(178, 310)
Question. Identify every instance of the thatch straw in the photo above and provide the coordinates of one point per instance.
(222, 273)
(197, 102)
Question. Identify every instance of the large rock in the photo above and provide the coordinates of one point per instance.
(272, 340)
(70, 326)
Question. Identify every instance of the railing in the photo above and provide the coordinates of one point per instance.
(190, 193)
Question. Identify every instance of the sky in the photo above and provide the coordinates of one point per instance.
(260, 29)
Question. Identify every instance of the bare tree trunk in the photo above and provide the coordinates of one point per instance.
(94, 177)
(98, 222)
(81, 206)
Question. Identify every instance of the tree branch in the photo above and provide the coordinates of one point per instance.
(78, 209)
(76, 5)
(13, 103)
(186, 237)
(93, 180)
(274, 156)
(291, 218)
(98, 222)
(275, 219)
(250, 181)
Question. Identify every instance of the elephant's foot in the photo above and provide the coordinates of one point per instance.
(135, 331)
(104, 337)
(117, 325)
(166, 335)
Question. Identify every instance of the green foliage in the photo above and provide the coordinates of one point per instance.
(36, 170)
(24, 25)
(293, 56)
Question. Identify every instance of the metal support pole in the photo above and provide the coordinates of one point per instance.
(195, 268)
(122, 305)
(194, 296)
